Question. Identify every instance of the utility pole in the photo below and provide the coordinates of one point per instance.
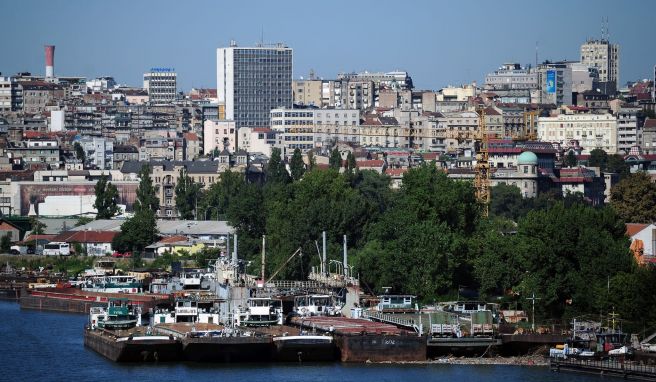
(533, 298)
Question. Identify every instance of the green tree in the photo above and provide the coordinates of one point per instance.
(276, 171)
(351, 164)
(312, 161)
(570, 159)
(140, 230)
(79, 152)
(616, 164)
(634, 198)
(335, 160)
(506, 201)
(598, 158)
(187, 193)
(5, 243)
(106, 199)
(569, 252)
(420, 243)
(296, 165)
(38, 228)
(82, 220)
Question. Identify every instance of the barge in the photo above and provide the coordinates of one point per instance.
(132, 346)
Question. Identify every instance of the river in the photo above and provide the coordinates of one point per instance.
(46, 346)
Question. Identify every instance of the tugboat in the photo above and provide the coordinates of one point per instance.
(262, 311)
(119, 314)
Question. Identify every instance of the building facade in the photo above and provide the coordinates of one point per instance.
(605, 57)
(590, 131)
(161, 85)
(253, 80)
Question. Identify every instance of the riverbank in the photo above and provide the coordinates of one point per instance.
(532, 360)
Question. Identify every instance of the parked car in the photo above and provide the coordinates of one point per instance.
(119, 255)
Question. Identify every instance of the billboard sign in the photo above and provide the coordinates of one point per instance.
(551, 81)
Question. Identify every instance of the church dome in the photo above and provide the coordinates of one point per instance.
(527, 157)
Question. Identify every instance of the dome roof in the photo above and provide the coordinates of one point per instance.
(527, 157)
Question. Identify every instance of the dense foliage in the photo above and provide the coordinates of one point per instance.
(634, 198)
(106, 202)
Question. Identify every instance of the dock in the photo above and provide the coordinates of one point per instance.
(613, 367)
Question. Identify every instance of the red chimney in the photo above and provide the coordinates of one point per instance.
(50, 61)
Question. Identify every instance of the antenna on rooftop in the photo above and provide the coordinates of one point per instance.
(536, 54)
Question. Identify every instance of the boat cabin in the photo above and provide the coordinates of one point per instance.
(397, 303)
(260, 311)
(316, 305)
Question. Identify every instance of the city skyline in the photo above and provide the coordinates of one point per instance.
(438, 46)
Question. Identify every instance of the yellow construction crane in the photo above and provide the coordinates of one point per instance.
(482, 168)
(482, 177)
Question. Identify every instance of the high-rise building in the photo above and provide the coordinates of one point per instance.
(253, 80)
(605, 57)
(161, 84)
(555, 83)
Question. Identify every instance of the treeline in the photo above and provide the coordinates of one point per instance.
(429, 238)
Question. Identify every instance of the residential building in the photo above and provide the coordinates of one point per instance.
(307, 92)
(649, 136)
(591, 131)
(42, 151)
(38, 95)
(510, 79)
(161, 85)
(629, 128)
(605, 57)
(6, 83)
(101, 84)
(555, 83)
(253, 80)
(259, 140)
(99, 152)
(124, 153)
(219, 135)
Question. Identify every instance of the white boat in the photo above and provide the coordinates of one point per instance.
(187, 310)
(316, 305)
(262, 311)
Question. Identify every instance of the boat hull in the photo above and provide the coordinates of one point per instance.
(133, 350)
(304, 349)
(227, 349)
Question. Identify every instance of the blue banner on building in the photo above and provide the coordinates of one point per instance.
(551, 81)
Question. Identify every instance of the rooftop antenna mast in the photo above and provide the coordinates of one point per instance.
(536, 54)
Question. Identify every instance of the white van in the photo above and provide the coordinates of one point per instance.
(56, 249)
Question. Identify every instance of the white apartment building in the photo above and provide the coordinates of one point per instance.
(511, 76)
(219, 135)
(161, 85)
(308, 128)
(5, 94)
(629, 131)
(99, 152)
(590, 130)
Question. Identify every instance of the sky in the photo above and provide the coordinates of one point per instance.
(439, 42)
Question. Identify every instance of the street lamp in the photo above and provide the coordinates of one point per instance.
(532, 299)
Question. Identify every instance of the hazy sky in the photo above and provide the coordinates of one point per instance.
(437, 42)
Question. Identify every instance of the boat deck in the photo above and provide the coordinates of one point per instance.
(346, 326)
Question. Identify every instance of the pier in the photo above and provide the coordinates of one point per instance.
(612, 367)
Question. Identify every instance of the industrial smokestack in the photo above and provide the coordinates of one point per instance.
(50, 61)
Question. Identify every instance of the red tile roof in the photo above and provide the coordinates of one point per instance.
(86, 236)
(633, 228)
(191, 136)
(396, 172)
(370, 163)
(173, 239)
(650, 123)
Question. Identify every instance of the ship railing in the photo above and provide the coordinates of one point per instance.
(392, 319)
(610, 365)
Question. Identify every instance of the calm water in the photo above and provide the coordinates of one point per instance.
(44, 346)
